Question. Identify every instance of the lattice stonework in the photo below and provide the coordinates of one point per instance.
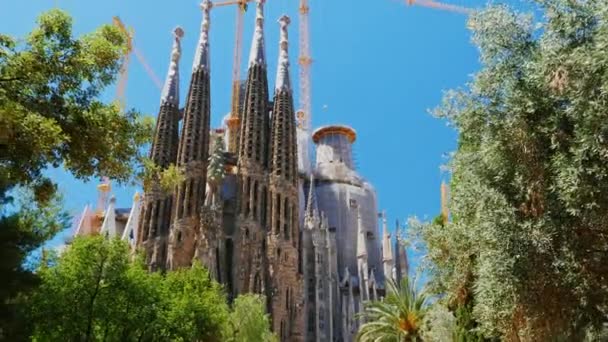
(156, 217)
(193, 155)
(193, 158)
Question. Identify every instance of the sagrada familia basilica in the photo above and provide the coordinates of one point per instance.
(303, 234)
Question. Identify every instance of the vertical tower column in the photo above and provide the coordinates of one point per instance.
(156, 217)
(362, 267)
(252, 181)
(387, 252)
(284, 235)
(193, 154)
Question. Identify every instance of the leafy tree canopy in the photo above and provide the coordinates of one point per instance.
(51, 115)
(528, 244)
(94, 293)
(50, 111)
(249, 320)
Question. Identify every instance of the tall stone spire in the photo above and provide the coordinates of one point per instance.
(252, 177)
(387, 251)
(254, 128)
(257, 55)
(156, 215)
(201, 57)
(193, 154)
(170, 92)
(282, 80)
(284, 235)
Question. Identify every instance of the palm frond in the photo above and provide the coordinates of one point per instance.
(398, 317)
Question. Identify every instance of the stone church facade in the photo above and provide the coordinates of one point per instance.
(307, 240)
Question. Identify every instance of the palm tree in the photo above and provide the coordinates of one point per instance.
(396, 318)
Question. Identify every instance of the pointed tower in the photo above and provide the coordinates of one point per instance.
(387, 251)
(318, 262)
(156, 217)
(252, 165)
(362, 258)
(108, 227)
(193, 154)
(284, 234)
(131, 229)
(84, 227)
(253, 151)
(311, 215)
(401, 263)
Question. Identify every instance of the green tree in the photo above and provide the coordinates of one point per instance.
(528, 244)
(249, 320)
(20, 235)
(51, 116)
(397, 317)
(49, 106)
(216, 161)
(197, 306)
(95, 292)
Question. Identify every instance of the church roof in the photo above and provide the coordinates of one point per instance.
(324, 131)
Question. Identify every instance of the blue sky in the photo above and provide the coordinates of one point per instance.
(378, 66)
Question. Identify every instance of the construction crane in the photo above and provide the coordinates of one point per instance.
(233, 121)
(439, 5)
(303, 114)
(124, 71)
(305, 60)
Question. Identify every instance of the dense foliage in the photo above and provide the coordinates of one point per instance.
(21, 234)
(527, 247)
(50, 110)
(95, 291)
(51, 115)
(249, 320)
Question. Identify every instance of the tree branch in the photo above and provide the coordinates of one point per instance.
(10, 79)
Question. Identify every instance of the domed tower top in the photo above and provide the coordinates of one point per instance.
(334, 145)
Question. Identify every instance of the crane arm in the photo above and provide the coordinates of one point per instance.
(440, 5)
(242, 4)
(305, 61)
(142, 60)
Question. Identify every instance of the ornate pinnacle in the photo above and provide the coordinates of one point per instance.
(311, 216)
(201, 58)
(361, 239)
(282, 81)
(387, 252)
(170, 92)
(256, 55)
